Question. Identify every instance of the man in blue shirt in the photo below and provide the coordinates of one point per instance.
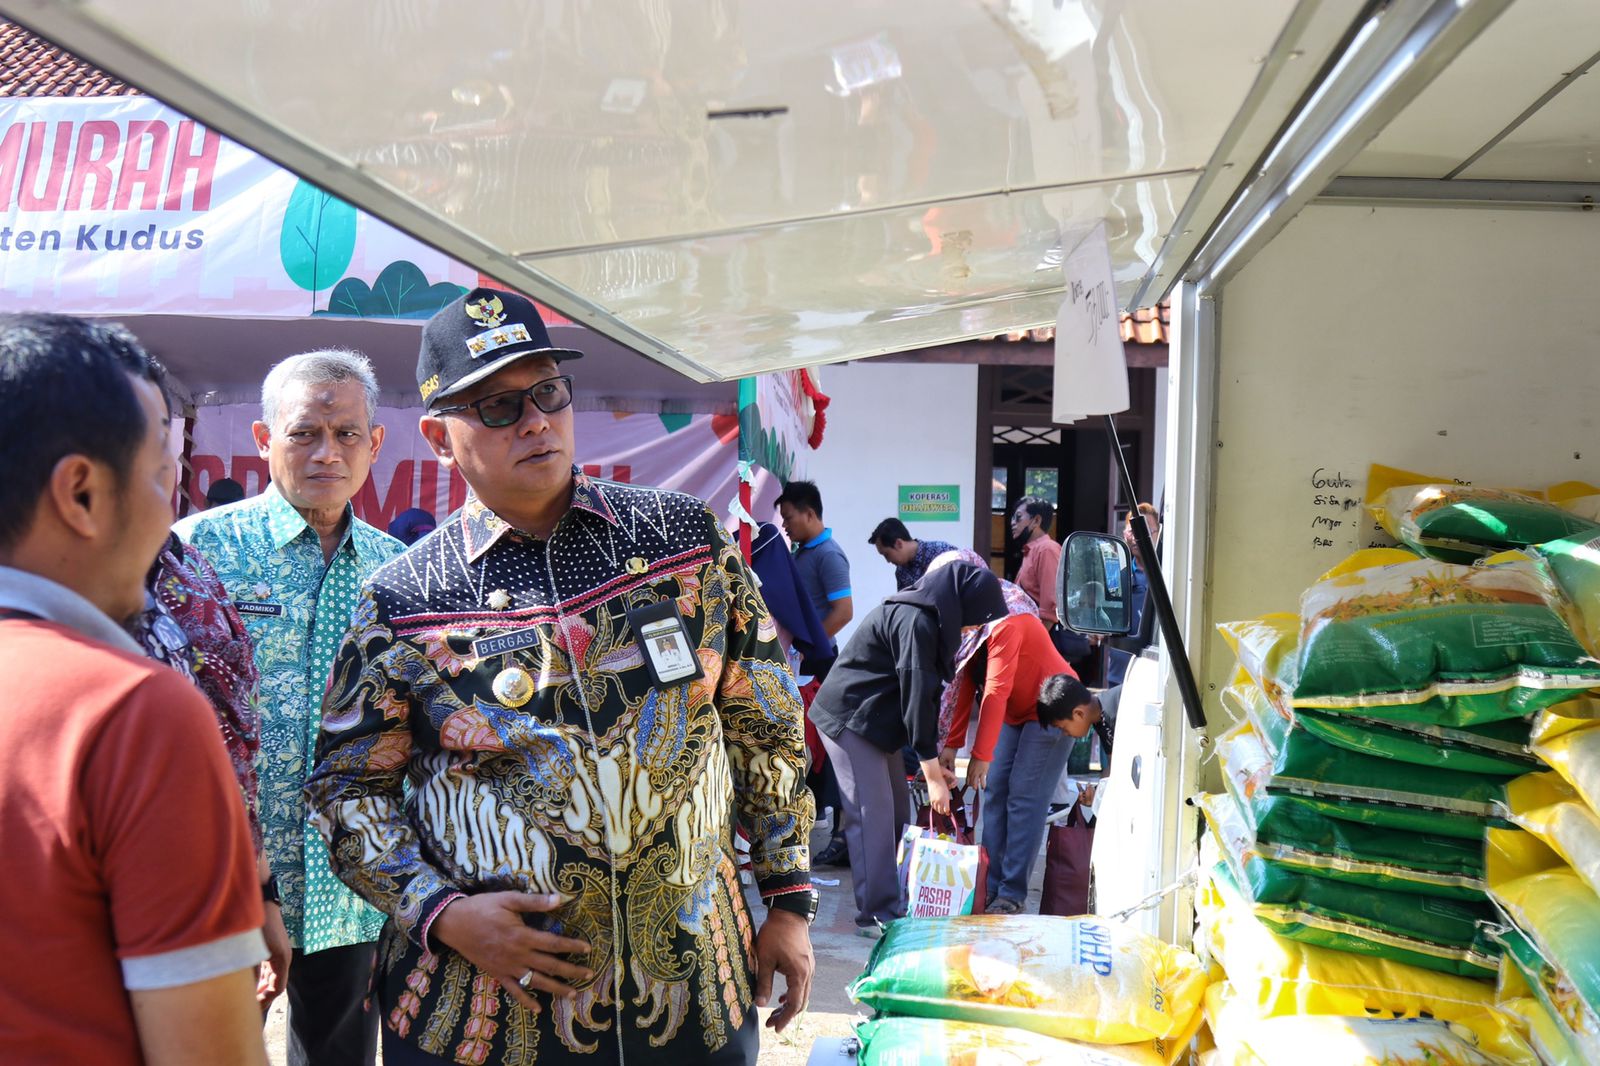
(824, 568)
(825, 576)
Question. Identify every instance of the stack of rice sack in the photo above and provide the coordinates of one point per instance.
(1380, 732)
(1027, 989)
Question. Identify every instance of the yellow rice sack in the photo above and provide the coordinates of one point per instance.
(1245, 1036)
(1551, 810)
(1574, 753)
(1280, 976)
(1558, 917)
(1086, 979)
(1330, 1040)
(937, 1041)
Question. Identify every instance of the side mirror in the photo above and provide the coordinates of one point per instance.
(1094, 586)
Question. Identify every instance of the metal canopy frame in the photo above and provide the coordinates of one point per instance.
(1395, 51)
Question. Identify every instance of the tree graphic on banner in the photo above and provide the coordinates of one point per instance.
(318, 238)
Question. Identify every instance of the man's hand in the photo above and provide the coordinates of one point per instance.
(1086, 797)
(488, 929)
(784, 946)
(947, 758)
(273, 976)
(977, 773)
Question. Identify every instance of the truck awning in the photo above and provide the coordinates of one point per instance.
(735, 188)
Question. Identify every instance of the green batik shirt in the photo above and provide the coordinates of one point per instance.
(297, 607)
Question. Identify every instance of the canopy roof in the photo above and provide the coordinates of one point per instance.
(733, 187)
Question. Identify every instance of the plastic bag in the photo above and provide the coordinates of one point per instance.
(1551, 810)
(1272, 976)
(1573, 565)
(1233, 832)
(942, 874)
(1439, 644)
(1330, 1040)
(1294, 822)
(1560, 1026)
(937, 1041)
(1435, 934)
(1358, 788)
(1082, 979)
(1460, 523)
(1575, 755)
(1560, 917)
(1268, 649)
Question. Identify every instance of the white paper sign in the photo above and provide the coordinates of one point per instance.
(1091, 370)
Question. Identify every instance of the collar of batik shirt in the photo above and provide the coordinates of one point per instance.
(284, 524)
(481, 527)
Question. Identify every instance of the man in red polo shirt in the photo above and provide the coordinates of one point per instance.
(133, 914)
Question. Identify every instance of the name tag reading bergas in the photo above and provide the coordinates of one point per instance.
(661, 634)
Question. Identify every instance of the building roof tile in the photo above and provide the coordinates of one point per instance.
(32, 66)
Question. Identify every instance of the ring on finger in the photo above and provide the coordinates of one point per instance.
(525, 982)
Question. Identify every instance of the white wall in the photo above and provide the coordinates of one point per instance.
(1457, 342)
(890, 425)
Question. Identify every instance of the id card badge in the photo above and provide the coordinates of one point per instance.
(662, 636)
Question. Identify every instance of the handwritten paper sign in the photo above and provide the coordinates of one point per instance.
(1091, 370)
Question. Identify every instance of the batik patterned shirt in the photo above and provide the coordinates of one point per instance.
(190, 624)
(434, 781)
(297, 607)
(927, 551)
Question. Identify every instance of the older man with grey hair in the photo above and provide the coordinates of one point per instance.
(293, 560)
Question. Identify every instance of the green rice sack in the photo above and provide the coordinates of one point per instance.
(1406, 914)
(1229, 825)
(1296, 822)
(1438, 644)
(1499, 749)
(1087, 979)
(1343, 784)
(1571, 1032)
(1560, 916)
(1381, 928)
(938, 1041)
(1460, 523)
(1574, 566)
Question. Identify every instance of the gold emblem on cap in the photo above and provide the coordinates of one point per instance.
(636, 566)
(487, 311)
(513, 686)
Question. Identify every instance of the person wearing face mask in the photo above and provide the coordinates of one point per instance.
(884, 693)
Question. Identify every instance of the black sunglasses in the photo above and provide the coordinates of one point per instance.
(505, 408)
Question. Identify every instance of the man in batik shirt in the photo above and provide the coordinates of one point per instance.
(293, 559)
(581, 685)
(189, 623)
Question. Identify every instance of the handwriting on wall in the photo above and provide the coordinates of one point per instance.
(1335, 507)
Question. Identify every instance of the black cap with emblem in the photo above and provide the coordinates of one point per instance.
(477, 334)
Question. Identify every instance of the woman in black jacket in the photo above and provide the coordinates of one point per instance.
(882, 694)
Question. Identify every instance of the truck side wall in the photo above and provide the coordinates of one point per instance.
(1456, 342)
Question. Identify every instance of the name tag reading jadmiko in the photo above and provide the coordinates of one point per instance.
(259, 610)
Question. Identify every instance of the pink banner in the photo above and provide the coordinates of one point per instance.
(119, 205)
(694, 454)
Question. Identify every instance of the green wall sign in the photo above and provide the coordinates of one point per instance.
(930, 503)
